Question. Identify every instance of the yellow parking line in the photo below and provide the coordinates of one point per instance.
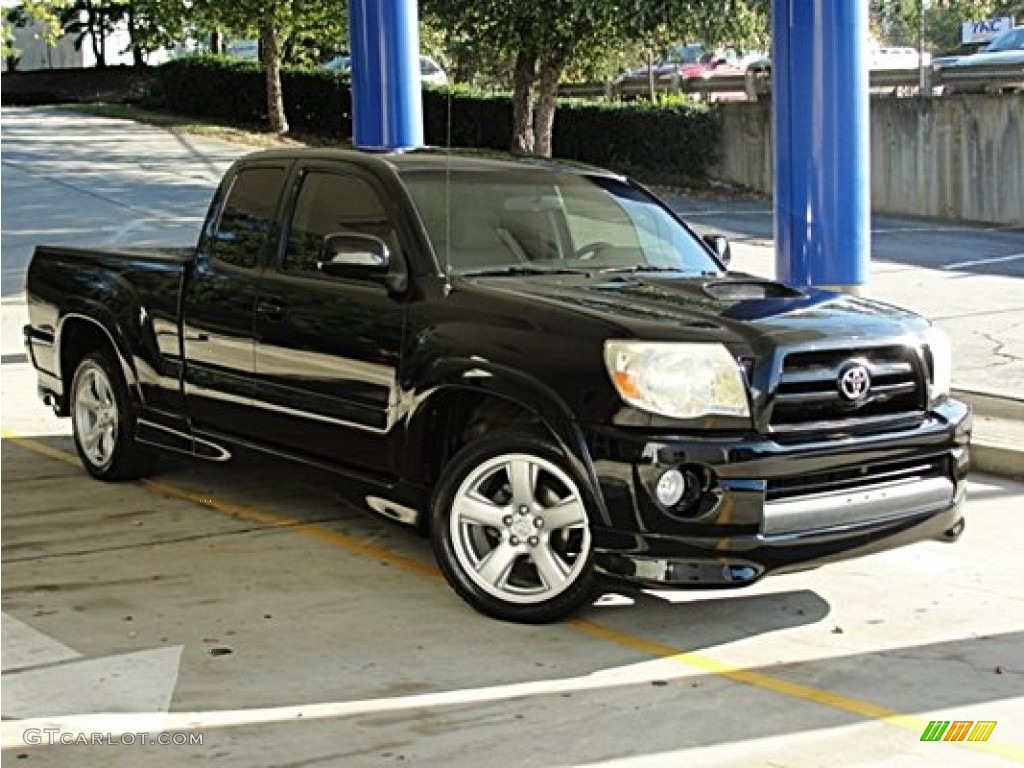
(822, 697)
(350, 543)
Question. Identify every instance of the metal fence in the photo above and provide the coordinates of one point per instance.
(757, 84)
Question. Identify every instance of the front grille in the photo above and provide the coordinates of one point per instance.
(860, 477)
(808, 392)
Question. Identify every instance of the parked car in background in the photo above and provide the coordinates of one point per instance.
(888, 57)
(431, 73)
(672, 65)
(1005, 50)
(691, 62)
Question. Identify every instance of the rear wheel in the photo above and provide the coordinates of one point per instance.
(103, 420)
(510, 529)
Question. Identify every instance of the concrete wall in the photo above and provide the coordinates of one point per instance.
(959, 157)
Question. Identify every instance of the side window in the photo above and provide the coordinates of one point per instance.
(331, 203)
(248, 216)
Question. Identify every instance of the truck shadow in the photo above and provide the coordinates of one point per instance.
(294, 495)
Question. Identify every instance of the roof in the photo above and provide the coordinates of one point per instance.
(433, 159)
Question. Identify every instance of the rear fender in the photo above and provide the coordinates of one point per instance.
(101, 318)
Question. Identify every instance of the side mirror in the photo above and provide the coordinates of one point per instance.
(349, 254)
(719, 245)
(362, 257)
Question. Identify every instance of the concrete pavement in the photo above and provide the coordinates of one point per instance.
(251, 607)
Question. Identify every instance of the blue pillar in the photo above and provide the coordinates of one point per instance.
(821, 140)
(387, 100)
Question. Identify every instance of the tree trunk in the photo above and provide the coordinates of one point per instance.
(138, 55)
(547, 102)
(275, 93)
(651, 91)
(524, 75)
(95, 35)
(216, 42)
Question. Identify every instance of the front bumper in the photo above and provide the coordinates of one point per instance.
(761, 505)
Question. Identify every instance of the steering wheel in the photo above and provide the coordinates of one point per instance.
(590, 250)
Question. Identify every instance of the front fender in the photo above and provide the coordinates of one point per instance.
(468, 376)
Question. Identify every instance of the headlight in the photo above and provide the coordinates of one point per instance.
(942, 362)
(684, 381)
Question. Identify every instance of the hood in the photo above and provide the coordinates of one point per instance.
(736, 308)
(986, 58)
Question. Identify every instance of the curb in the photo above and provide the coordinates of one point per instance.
(999, 460)
(991, 404)
(991, 455)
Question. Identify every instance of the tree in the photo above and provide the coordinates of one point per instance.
(87, 19)
(41, 16)
(300, 29)
(544, 38)
(155, 24)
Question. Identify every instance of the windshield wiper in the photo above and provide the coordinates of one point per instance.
(643, 268)
(521, 270)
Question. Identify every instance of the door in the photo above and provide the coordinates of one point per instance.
(328, 348)
(220, 299)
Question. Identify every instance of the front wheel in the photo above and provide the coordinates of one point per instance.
(103, 421)
(510, 529)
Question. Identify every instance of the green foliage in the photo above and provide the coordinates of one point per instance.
(897, 22)
(310, 30)
(234, 91)
(659, 142)
(42, 16)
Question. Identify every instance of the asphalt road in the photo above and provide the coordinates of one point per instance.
(934, 244)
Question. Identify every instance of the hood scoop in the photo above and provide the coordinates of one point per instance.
(750, 290)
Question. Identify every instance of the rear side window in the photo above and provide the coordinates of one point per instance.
(248, 216)
(333, 203)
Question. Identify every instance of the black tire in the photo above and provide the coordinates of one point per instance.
(103, 422)
(523, 510)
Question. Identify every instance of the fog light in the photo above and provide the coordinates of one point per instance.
(671, 487)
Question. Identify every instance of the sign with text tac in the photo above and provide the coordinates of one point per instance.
(973, 32)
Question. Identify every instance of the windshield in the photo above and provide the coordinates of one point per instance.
(1011, 40)
(515, 221)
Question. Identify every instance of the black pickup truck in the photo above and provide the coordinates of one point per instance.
(538, 364)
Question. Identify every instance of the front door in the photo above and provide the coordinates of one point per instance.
(328, 348)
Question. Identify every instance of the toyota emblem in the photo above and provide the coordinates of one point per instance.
(854, 382)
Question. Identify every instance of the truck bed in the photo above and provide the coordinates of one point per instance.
(132, 293)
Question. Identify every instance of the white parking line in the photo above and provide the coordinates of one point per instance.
(992, 260)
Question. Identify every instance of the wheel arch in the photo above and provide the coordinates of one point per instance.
(475, 400)
(77, 335)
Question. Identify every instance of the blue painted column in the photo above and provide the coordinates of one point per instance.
(387, 100)
(822, 194)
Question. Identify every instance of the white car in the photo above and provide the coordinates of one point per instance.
(431, 72)
(897, 58)
(1006, 49)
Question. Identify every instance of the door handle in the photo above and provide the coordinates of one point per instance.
(272, 309)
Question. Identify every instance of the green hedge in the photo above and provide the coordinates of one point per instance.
(316, 101)
(661, 143)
